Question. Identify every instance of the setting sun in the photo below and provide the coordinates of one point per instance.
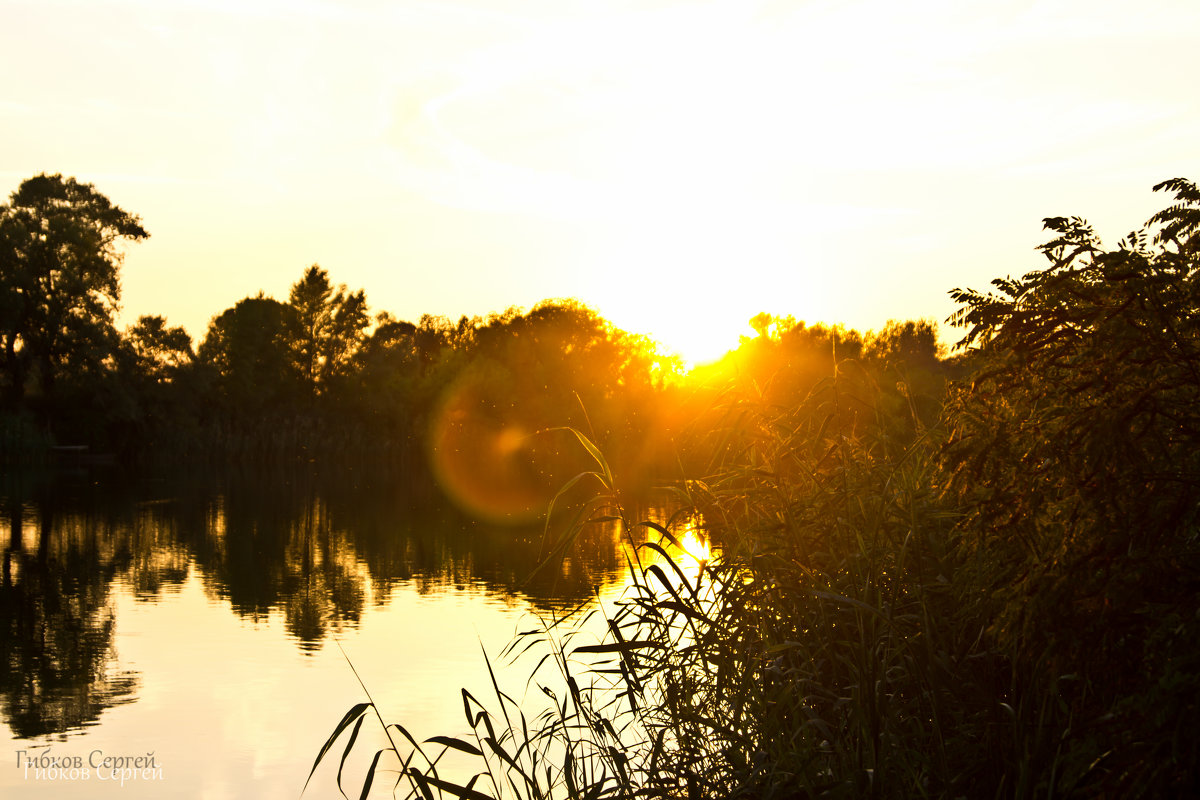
(684, 331)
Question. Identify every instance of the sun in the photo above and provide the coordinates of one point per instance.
(696, 340)
(697, 333)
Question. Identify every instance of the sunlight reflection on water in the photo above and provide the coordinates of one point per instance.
(202, 629)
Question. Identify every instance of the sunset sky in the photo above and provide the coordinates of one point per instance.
(680, 166)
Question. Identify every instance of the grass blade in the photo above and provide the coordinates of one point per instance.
(455, 744)
(354, 713)
(366, 790)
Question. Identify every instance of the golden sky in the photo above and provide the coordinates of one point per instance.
(680, 166)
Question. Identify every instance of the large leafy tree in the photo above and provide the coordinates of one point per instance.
(156, 368)
(60, 259)
(247, 346)
(1075, 457)
(160, 350)
(331, 326)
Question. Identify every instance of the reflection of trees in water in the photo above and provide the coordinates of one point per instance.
(313, 549)
(265, 544)
(57, 669)
(431, 546)
(317, 548)
(155, 559)
(322, 577)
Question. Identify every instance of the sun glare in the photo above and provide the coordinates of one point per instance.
(623, 152)
(697, 548)
(695, 340)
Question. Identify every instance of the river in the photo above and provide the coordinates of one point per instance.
(199, 630)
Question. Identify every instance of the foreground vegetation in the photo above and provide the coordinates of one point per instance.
(986, 590)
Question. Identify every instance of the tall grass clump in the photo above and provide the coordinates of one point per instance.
(837, 575)
(807, 657)
(590, 735)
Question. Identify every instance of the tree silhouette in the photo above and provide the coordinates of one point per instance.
(159, 349)
(59, 282)
(330, 327)
(1179, 222)
(1073, 457)
(248, 348)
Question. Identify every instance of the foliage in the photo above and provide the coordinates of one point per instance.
(287, 380)
(247, 347)
(818, 664)
(21, 440)
(1074, 456)
(59, 286)
(892, 380)
(330, 327)
(160, 350)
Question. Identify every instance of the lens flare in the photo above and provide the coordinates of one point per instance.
(484, 455)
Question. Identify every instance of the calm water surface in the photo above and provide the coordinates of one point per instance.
(198, 619)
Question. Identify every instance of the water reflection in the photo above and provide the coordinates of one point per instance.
(56, 659)
(313, 549)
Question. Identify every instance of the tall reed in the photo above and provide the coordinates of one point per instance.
(820, 652)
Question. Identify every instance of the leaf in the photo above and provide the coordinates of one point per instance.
(663, 532)
(456, 744)
(686, 610)
(366, 790)
(594, 452)
(354, 713)
(465, 792)
(346, 753)
(619, 647)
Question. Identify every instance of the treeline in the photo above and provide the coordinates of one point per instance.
(320, 375)
(315, 373)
